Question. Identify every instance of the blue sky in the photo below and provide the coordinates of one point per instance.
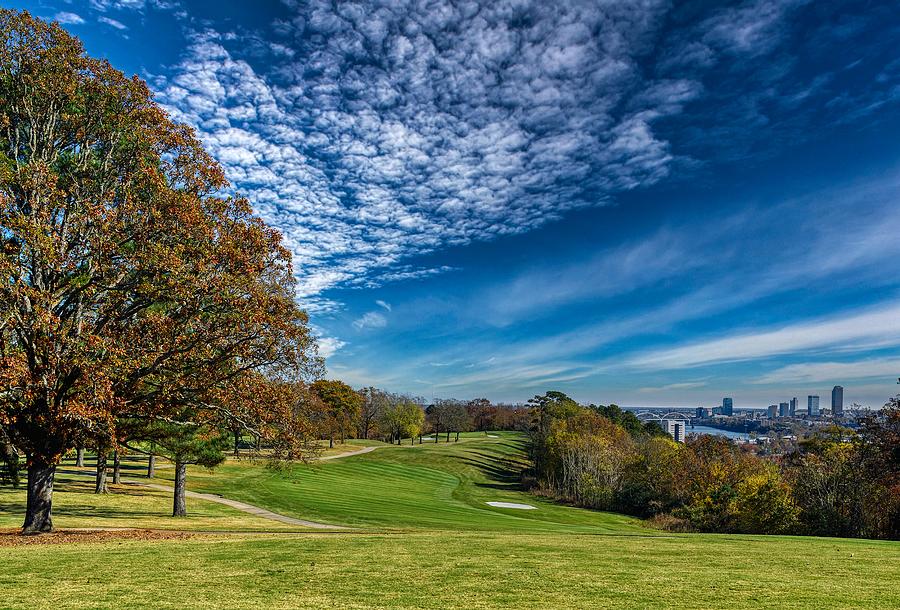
(648, 203)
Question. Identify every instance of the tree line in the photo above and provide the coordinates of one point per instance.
(838, 482)
(372, 413)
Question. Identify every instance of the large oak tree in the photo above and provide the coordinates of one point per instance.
(133, 285)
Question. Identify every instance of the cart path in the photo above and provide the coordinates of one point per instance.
(348, 454)
(241, 506)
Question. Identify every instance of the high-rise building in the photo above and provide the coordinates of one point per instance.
(702, 412)
(794, 402)
(837, 401)
(812, 406)
(772, 411)
(675, 428)
(727, 407)
(783, 409)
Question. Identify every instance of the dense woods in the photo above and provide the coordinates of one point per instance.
(842, 483)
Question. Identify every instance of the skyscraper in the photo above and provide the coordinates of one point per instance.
(783, 409)
(727, 407)
(794, 402)
(772, 411)
(812, 406)
(837, 401)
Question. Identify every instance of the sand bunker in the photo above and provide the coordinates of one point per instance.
(512, 505)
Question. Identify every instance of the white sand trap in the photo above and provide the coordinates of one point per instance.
(492, 436)
(512, 505)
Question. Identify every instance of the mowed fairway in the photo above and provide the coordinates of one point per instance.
(425, 538)
(443, 486)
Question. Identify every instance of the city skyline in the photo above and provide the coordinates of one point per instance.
(625, 203)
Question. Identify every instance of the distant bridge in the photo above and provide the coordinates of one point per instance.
(656, 416)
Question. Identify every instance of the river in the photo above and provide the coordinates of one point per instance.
(716, 431)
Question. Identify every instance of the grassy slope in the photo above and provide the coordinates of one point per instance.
(454, 551)
(429, 486)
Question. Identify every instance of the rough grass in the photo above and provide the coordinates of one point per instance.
(461, 570)
(425, 539)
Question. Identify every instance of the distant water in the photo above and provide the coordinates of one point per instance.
(715, 431)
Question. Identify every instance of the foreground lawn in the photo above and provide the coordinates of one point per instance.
(424, 537)
(460, 570)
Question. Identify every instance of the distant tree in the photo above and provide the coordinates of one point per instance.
(402, 419)
(374, 402)
(436, 416)
(457, 419)
(342, 404)
(9, 461)
(482, 414)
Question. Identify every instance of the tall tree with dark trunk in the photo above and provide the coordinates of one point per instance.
(188, 443)
(130, 288)
(374, 402)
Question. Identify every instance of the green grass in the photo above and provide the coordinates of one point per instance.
(429, 486)
(425, 539)
(76, 506)
(462, 570)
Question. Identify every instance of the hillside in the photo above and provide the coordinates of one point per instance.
(423, 536)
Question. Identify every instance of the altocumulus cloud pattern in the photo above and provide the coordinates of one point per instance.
(372, 132)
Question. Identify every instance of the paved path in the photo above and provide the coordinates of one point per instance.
(244, 507)
(241, 506)
(348, 454)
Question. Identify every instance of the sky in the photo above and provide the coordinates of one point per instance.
(648, 203)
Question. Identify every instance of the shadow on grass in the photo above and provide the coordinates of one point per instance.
(501, 470)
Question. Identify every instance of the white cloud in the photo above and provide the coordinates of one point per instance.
(834, 372)
(371, 319)
(374, 132)
(383, 304)
(854, 332)
(328, 346)
(112, 22)
(686, 385)
(67, 18)
(390, 133)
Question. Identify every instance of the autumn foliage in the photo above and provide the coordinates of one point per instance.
(135, 287)
(832, 486)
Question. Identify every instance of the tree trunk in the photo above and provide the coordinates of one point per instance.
(331, 442)
(117, 468)
(448, 436)
(151, 466)
(178, 507)
(100, 485)
(457, 437)
(412, 440)
(437, 435)
(40, 499)
(79, 457)
(237, 442)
